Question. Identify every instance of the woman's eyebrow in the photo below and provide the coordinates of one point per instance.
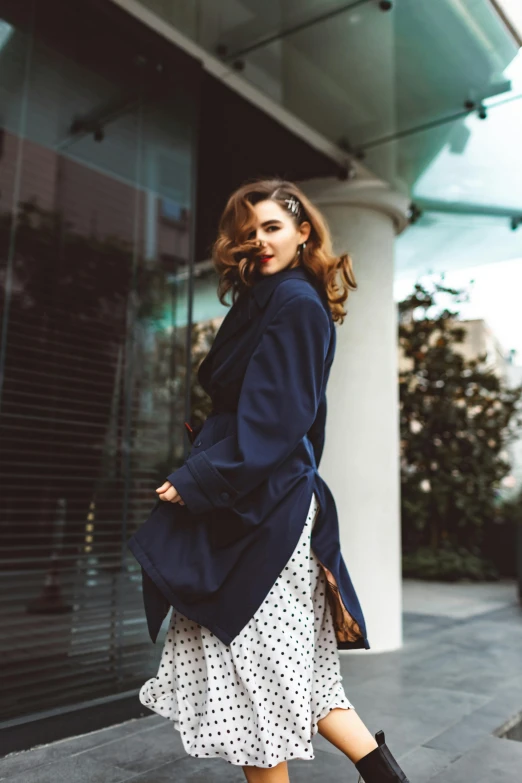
(274, 220)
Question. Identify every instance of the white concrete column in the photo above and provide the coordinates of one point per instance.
(361, 457)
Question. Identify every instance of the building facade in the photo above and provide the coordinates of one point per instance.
(124, 126)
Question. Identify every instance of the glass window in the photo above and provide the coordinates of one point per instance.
(97, 193)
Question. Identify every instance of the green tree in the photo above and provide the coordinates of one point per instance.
(456, 418)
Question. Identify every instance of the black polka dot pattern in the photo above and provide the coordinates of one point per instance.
(256, 702)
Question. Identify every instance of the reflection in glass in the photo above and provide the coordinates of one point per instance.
(95, 224)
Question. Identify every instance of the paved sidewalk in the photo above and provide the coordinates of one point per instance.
(439, 700)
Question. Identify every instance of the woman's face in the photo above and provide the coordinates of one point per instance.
(279, 235)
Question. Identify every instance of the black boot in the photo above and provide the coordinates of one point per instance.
(379, 766)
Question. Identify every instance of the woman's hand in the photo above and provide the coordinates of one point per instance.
(170, 493)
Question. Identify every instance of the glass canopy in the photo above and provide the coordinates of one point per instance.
(455, 241)
(427, 94)
(394, 86)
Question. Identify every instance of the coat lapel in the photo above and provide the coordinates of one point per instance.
(239, 314)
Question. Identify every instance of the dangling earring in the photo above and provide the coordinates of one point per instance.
(300, 249)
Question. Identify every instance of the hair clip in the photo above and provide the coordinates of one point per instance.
(293, 205)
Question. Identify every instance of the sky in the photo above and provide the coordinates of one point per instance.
(495, 296)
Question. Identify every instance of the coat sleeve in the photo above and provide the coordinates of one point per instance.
(277, 406)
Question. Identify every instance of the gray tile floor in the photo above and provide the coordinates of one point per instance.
(440, 701)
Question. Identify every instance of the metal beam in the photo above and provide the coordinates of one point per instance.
(476, 210)
(225, 73)
(296, 28)
(505, 15)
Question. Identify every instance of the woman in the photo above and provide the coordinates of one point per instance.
(244, 540)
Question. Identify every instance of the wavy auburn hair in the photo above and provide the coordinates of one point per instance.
(234, 255)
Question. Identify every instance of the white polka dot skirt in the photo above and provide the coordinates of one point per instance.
(256, 702)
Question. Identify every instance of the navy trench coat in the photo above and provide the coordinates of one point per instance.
(248, 480)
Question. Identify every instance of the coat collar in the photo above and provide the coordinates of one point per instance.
(264, 288)
(244, 309)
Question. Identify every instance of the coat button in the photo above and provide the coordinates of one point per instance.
(197, 443)
(225, 496)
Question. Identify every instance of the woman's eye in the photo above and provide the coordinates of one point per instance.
(252, 234)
